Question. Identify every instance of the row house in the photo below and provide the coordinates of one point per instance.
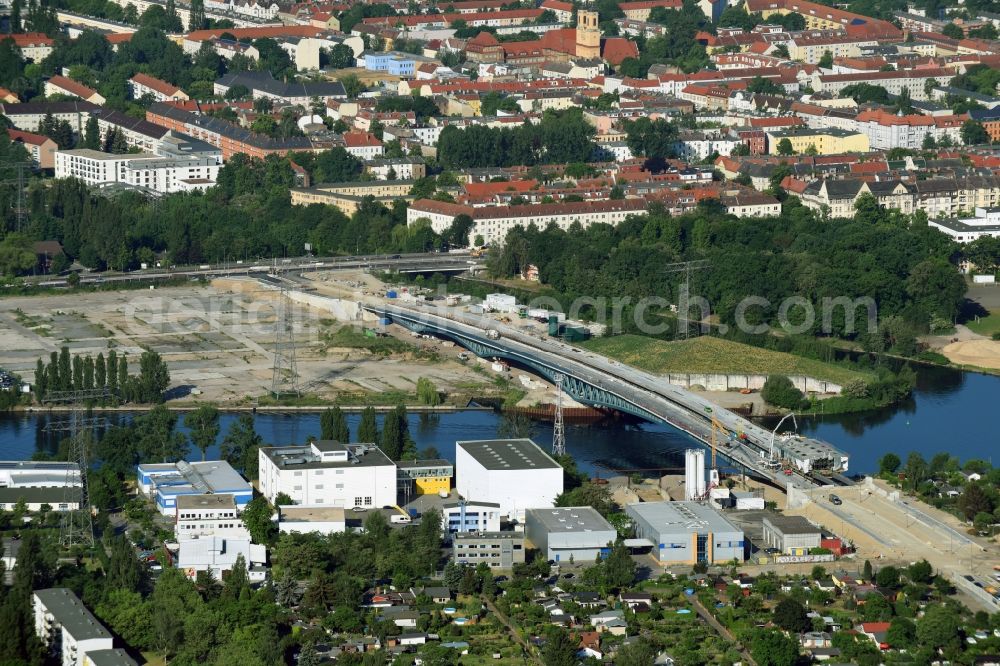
(938, 197)
(34, 46)
(61, 85)
(161, 91)
(894, 82)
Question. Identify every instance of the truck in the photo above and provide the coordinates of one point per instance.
(492, 334)
(398, 518)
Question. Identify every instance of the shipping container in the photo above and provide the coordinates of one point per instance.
(390, 294)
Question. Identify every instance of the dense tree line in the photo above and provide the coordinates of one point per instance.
(906, 267)
(560, 138)
(248, 215)
(67, 372)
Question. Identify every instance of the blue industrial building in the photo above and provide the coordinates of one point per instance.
(165, 482)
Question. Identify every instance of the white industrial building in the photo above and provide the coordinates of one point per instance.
(514, 473)
(298, 519)
(329, 473)
(207, 516)
(967, 229)
(470, 516)
(32, 474)
(579, 533)
(218, 555)
(165, 482)
(57, 498)
(65, 626)
(792, 535)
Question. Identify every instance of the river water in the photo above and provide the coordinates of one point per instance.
(949, 411)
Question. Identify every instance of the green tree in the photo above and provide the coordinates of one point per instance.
(826, 61)
(784, 147)
(92, 134)
(16, 255)
(240, 446)
(427, 393)
(619, 567)
(368, 428)
(902, 634)
(65, 370)
(638, 653)
(113, 371)
(920, 572)
(792, 616)
(257, 517)
(333, 425)
(773, 648)
(939, 627)
(124, 572)
(887, 577)
(559, 648)
(154, 377)
(203, 424)
(952, 30)
(652, 139)
(973, 133)
(889, 463)
(974, 500)
(779, 391)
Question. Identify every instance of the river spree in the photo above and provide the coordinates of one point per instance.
(950, 411)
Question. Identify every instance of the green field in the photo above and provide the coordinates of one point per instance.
(987, 325)
(715, 355)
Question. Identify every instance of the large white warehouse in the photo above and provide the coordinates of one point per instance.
(514, 473)
(328, 473)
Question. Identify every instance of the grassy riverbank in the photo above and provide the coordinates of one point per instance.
(716, 355)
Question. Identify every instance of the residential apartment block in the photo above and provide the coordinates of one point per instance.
(67, 628)
(500, 550)
(152, 172)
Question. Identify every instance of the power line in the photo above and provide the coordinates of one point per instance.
(683, 297)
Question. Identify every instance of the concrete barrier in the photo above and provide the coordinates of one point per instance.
(339, 308)
(737, 382)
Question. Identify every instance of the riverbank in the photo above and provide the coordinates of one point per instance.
(260, 409)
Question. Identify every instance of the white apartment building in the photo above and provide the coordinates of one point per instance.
(66, 627)
(493, 223)
(160, 174)
(697, 146)
(208, 516)
(514, 473)
(161, 91)
(329, 473)
(250, 8)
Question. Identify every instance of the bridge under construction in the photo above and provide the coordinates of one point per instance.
(595, 380)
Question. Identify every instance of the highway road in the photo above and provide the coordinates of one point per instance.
(669, 403)
(434, 261)
(900, 530)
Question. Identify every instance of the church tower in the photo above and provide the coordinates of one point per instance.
(588, 34)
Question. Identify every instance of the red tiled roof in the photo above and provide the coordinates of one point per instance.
(72, 87)
(25, 39)
(27, 137)
(617, 49)
(360, 139)
(156, 84)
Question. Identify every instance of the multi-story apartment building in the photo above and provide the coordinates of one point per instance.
(161, 91)
(61, 85)
(493, 223)
(912, 80)
(830, 141)
(160, 174)
(65, 626)
(329, 473)
(28, 116)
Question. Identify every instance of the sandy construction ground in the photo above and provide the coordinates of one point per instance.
(982, 353)
(217, 340)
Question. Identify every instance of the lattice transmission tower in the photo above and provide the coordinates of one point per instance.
(285, 374)
(559, 427)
